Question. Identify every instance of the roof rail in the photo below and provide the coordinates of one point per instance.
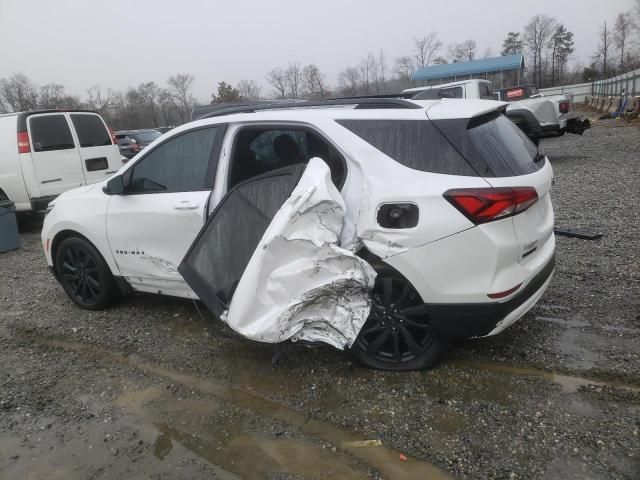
(357, 102)
(400, 95)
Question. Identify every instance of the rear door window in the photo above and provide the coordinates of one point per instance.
(415, 144)
(50, 132)
(259, 150)
(91, 130)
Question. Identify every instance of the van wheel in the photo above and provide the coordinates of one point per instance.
(397, 334)
(84, 274)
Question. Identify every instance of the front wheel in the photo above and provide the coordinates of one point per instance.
(397, 335)
(84, 274)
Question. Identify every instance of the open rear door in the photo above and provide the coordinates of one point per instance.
(268, 263)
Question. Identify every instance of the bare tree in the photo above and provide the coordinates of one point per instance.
(366, 64)
(293, 75)
(425, 48)
(249, 90)
(488, 53)
(149, 93)
(18, 93)
(180, 86)
(313, 82)
(348, 80)
(382, 69)
(621, 32)
(277, 78)
(601, 55)
(405, 68)
(53, 95)
(536, 37)
(460, 52)
(99, 99)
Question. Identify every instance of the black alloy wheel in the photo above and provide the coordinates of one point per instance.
(397, 335)
(84, 274)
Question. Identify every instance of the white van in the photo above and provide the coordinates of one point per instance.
(44, 153)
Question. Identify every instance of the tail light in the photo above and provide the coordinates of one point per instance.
(113, 136)
(482, 205)
(23, 142)
(565, 107)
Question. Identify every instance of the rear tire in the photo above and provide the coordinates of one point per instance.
(84, 275)
(397, 335)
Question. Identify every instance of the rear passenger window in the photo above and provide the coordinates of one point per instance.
(182, 164)
(415, 144)
(91, 130)
(50, 132)
(259, 150)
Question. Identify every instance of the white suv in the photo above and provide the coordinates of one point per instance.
(385, 226)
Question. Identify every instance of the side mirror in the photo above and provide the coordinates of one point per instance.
(115, 186)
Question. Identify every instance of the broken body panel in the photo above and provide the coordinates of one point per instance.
(281, 275)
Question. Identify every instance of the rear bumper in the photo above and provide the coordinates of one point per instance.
(39, 204)
(451, 321)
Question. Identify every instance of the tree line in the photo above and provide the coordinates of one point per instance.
(545, 41)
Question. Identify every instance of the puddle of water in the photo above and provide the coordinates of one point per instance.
(391, 463)
(568, 383)
(571, 344)
(162, 446)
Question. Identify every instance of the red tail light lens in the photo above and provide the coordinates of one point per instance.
(565, 107)
(23, 142)
(482, 205)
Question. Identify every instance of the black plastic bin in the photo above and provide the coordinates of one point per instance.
(9, 237)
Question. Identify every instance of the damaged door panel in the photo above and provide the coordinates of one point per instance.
(268, 261)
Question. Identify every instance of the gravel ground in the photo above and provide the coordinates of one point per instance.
(151, 389)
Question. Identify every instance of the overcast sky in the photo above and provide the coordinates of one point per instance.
(121, 43)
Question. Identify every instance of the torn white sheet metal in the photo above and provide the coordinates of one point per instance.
(299, 284)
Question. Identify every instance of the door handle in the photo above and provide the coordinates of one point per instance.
(185, 205)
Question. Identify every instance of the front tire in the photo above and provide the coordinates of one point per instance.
(397, 335)
(84, 275)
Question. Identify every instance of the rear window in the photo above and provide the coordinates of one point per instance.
(438, 93)
(50, 132)
(415, 144)
(91, 130)
(493, 144)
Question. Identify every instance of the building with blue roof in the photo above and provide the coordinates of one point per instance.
(504, 71)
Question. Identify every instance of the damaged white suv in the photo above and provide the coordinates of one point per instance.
(384, 226)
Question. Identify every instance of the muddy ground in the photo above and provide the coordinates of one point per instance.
(153, 389)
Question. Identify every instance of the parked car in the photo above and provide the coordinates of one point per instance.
(164, 129)
(128, 147)
(142, 137)
(384, 226)
(536, 115)
(47, 152)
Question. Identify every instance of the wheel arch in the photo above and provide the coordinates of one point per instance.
(62, 235)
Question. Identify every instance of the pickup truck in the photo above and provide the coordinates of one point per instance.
(537, 115)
